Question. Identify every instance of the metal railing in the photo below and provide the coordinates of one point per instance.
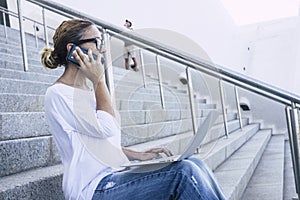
(290, 100)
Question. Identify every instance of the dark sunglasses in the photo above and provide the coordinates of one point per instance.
(98, 41)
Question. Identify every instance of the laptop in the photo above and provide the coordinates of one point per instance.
(191, 147)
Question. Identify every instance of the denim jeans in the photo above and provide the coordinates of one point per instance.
(185, 180)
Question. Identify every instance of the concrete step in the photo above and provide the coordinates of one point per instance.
(23, 87)
(47, 77)
(140, 133)
(154, 88)
(224, 154)
(15, 125)
(234, 174)
(36, 83)
(156, 99)
(138, 117)
(21, 103)
(217, 131)
(23, 154)
(34, 181)
(39, 88)
(12, 122)
(289, 190)
(155, 96)
(137, 77)
(44, 76)
(14, 65)
(135, 117)
(10, 48)
(213, 153)
(16, 57)
(16, 102)
(27, 76)
(216, 152)
(13, 37)
(133, 87)
(38, 184)
(267, 180)
(128, 104)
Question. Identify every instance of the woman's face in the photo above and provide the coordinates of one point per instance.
(91, 32)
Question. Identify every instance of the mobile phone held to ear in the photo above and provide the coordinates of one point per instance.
(71, 58)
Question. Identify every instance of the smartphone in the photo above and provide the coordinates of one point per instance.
(72, 59)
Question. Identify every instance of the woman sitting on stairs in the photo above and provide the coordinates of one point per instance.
(87, 135)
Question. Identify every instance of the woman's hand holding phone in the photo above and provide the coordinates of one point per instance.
(91, 67)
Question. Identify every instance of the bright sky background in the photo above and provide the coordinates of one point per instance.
(253, 11)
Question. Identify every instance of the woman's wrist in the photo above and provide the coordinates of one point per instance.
(98, 82)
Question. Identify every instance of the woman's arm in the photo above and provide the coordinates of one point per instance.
(94, 70)
(97, 121)
(146, 155)
(103, 97)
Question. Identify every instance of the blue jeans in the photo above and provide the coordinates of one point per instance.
(186, 180)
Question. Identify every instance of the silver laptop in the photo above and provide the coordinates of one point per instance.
(191, 147)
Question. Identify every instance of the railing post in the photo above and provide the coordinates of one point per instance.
(160, 82)
(22, 35)
(238, 106)
(143, 67)
(293, 130)
(45, 27)
(4, 23)
(223, 107)
(191, 99)
(108, 72)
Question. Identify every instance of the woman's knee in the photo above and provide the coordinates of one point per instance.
(185, 167)
(198, 162)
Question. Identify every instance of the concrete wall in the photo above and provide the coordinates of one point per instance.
(268, 52)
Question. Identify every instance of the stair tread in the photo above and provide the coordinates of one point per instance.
(236, 171)
(224, 147)
(271, 166)
(289, 190)
(26, 177)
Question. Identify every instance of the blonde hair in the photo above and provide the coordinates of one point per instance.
(70, 31)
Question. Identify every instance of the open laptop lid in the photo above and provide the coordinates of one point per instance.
(202, 131)
(191, 148)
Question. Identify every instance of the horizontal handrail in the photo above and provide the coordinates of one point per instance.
(197, 63)
(14, 14)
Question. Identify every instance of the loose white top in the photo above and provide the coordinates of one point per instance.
(87, 140)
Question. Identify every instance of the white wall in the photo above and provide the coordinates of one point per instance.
(272, 52)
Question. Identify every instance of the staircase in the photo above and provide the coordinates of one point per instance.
(251, 163)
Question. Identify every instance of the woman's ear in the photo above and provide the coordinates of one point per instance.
(69, 46)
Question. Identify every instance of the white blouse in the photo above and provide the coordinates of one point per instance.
(88, 141)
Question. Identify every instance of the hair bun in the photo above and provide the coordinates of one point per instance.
(48, 59)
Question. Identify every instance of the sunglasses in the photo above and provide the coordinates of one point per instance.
(98, 41)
